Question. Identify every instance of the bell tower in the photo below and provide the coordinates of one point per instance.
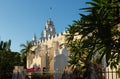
(49, 30)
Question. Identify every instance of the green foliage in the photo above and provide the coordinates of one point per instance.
(26, 47)
(8, 59)
(25, 51)
(99, 35)
(103, 22)
(5, 45)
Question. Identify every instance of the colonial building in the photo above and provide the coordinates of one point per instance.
(49, 51)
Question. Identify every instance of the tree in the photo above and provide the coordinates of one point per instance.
(103, 20)
(99, 35)
(5, 45)
(8, 59)
(25, 51)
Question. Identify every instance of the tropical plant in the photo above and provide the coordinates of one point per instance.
(25, 51)
(96, 33)
(8, 59)
(102, 24)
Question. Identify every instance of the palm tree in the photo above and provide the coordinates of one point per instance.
(103, 23)
(25, 51)
(99, 34)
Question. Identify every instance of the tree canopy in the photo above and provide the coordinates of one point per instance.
(8, 59)
(25, 51)
(95, 35)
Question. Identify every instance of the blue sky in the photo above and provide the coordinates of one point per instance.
(20, 19)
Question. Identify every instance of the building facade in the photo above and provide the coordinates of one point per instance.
(49, 51)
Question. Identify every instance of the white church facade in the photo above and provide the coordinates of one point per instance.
(50, 51)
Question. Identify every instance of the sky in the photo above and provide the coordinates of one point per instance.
(20, 19)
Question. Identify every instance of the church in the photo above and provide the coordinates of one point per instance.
(50, 51)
